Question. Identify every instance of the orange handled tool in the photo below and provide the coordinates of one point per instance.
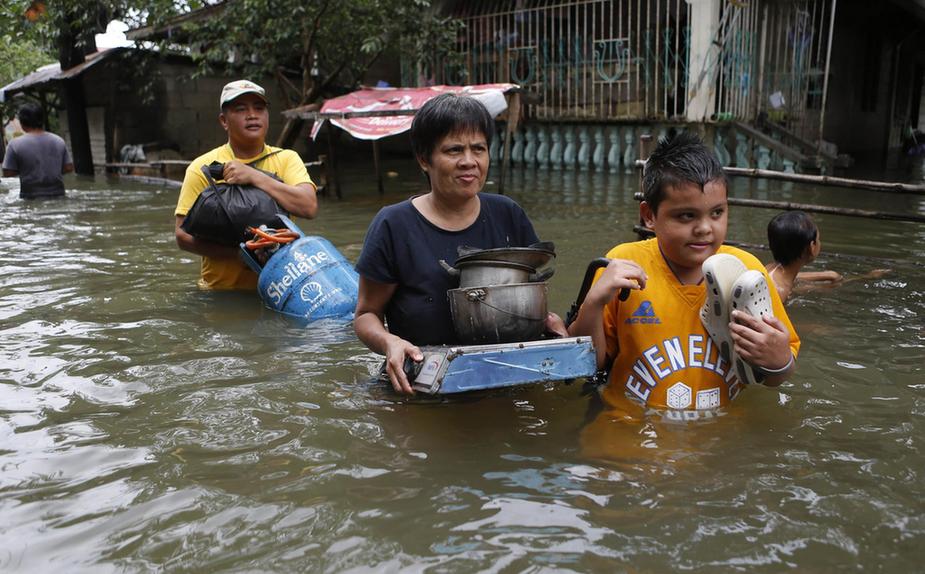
(269, 237)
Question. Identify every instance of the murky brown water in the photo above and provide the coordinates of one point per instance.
(146, 426)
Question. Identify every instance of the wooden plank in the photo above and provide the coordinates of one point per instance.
(310, 115)
(770, 143)
(117, 165)
(885, 186)
(809, 207)
(377, 167)
(645, 232)
(804, 144)
(172, 183)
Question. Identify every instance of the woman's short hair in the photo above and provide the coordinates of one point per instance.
(445, 114)
(30, 116)
(789, 234)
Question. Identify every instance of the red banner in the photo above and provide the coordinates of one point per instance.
(383, 99)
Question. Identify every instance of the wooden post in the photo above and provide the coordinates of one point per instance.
(762, 50)
(376, 166)
(513, 115)
(330, 166)
(645, 150)
(704, 54)
(646, 146)
(79, 129)
(825, 77)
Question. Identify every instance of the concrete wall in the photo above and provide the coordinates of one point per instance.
(187, 111)
(873, 52)
(182, 114)
(191, 110)
(96, 122)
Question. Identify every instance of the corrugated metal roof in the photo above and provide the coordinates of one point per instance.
(40, 76)
(53, 73)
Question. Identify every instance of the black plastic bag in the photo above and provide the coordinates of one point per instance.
(223, 211)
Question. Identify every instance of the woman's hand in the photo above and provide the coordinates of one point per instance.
(396, 350)
(370, 328)
(555, 325)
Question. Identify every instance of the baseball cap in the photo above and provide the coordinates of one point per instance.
(238, 88)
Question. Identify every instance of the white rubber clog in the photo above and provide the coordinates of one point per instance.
(720, 272)
(750, 294)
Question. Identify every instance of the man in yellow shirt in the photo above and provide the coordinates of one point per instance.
(245, 116)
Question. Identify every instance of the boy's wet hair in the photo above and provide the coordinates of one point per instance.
(445, 114)
(789, 234)
(30, 116)
(682, 158)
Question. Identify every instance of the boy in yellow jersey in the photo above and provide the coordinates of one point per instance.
(245, 116)
(662, 356)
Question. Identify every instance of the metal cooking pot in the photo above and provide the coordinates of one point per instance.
(499, 313)
(480, 273)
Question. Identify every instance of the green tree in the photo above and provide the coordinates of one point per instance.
(68, 28)
(18, 58)
(312, 48)
(325, 44)
(22, 49)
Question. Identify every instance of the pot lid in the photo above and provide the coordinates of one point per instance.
(462, 263)
(534, 257)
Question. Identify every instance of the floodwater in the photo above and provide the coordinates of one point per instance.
(147, 426)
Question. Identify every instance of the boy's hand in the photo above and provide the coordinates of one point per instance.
(619, 274)
(760, 341)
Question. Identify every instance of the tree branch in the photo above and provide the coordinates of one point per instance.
(293, 94)
(308, 52)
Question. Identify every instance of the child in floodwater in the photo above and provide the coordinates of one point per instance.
(794, 241)
(663, 356)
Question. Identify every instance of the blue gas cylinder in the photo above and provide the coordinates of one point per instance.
(308, 279)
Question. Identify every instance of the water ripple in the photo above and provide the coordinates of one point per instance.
(148, 426)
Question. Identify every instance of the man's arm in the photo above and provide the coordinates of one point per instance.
(68, 168)
(299, 199)
(10, 162)
(193, 184)
(187, 242)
